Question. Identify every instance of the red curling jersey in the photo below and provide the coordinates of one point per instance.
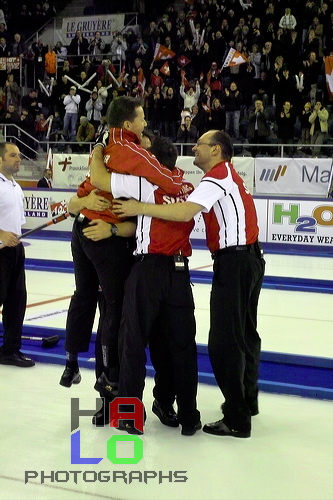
(155, 235)
(229, 212)
(124, 154)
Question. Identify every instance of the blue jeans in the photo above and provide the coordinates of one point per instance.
(232, 117)
(70, 122)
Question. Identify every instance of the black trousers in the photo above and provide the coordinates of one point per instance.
(104, 263)
(154, 291)
(13, 296)
(234, 343)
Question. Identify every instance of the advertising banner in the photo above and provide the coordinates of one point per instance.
(106, 24)
(37, 208)
(303, 176)
(244, 166)
(69, 170)
(9, 63)
(305, 222)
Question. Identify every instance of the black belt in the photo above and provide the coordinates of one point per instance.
(254, 247)
(142, 256)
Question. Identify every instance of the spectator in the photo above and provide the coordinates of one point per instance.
(102, 94)
(4, 49)
(267, 58)
(96, 48)
(204, 59)
(285, 120)
(71, 103)
(187, 134)
(31, 104)
(292, 52)
(155, 79)
(102, 72)
(39, 50)
(17, 48)
(85, 134)
(319, 126)
(318, 30)
(190, 97)
(11, 116)
(305, 123)
(170, 114)
(78, 47)
(262, 90)
(232, 101)
(255, 59)
(51, 62)
(94, 107)
(12, 92)
(311, 70)
(61, 52)
(64, 70)
(217, 118)
(155, 110)
(45, 181)
(311, 44)
(118, 50)
(214, 80)
(134, 88)
(139, 50)
(198, 119)
(302, 93)
(288, 21)
(258, 128)
(41, 127)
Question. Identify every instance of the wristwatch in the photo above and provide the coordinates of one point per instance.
(114, 230)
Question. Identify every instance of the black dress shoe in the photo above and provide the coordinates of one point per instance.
(16, 359)
(102, 416)
(106, 388)
(253, 409)
(165, 413)
(220, 429)
(128, 426)
(190, 430)
(70, 377)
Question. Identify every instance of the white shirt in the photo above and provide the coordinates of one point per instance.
(11, 206)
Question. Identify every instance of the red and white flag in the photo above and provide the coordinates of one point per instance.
(165, 69)
(183, 60)
(329, 75)
(234, 58)
(162, 52)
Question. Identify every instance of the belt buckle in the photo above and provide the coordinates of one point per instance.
(80, 218)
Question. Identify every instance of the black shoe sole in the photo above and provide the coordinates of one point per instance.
(236, 434)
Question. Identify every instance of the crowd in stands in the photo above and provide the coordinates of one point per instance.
(279, 95)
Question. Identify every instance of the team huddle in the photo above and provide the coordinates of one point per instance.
(131, 261)
(142, 285)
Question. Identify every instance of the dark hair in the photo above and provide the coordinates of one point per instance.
(148, 133)
(165, 151)
(3, 148)
(224, 140)
(122, 109)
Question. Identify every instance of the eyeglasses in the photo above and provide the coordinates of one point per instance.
(199, 143)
